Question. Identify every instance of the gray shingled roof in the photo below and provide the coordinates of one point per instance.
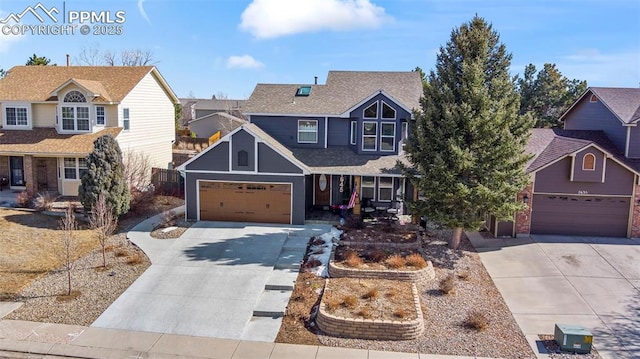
(624, 102)
(342, 91)
(548, 145)
(342, 160)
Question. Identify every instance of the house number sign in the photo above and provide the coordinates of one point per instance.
(583, 192)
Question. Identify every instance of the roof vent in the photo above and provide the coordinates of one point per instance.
(303, 91)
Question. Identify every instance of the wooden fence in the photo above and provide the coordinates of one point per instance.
(167, 182)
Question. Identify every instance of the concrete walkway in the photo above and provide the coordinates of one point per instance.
(588, 281)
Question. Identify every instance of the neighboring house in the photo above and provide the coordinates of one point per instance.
(308, 145)
(196, 108)
(206, 126)
(52, 114)
(584, 179)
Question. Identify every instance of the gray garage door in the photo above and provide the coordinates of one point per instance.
(578, 215)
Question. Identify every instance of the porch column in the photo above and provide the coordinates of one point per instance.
(356, 207)
(29, 176)
(523, 218)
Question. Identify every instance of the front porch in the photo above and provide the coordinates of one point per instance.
(41, 174)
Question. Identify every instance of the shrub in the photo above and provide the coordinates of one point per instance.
(378, 256)
(464, 275)
(121, 252)
(332, 304)
(448, 284)
(24, 199)
(416, 260)
(312, 262)
(353, 260)
(395, 261)
(400, 313)
(354, 222)
(391, 293)
(365, 313)
(371, 294)
(476, 320)
(135, 258)
(43, 201)
(350, 301)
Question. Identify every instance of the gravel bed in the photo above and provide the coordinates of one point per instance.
(556, 353)
(445, 314)
(98, 287)
(181, 226)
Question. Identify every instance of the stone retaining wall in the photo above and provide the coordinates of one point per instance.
(419, 275)
(372, 329)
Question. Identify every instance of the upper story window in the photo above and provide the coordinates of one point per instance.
(307, 131)
(75, 117)
(388, 112)
(16, 116)
(371, 111)
(405, 131)
(589, 162)
(126, 121)
(369, 136)
(354, 132)
(74, 96)
(388, 137)
(101, 116)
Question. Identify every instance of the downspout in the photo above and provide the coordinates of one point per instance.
(326, 129)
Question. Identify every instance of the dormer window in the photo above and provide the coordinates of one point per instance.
(303, 91)
(371, 111)
(589, 162)
(388, 112)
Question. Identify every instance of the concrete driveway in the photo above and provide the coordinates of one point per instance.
(210, 281)
(589, 281)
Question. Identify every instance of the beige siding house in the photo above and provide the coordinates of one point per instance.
(52, 114)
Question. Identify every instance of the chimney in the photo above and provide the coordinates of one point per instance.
(315, 80)
(68, 60)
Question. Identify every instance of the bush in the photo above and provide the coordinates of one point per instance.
(448, 284)
(378, 256)
(312, 262)
(353, 260)
(365, 313)
(371, 294)
(350, 301)
(332, 304)
(395, 261)
(464, 275)
(354, 222)
(43, 201)
(416, 260)
(135, 258)
(24, 199)
(141, 201)
(400, 313)
(476, 320)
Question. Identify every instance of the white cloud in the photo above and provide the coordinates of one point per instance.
(142, 11)
(273, 18)
(243, 62)
(615, 69)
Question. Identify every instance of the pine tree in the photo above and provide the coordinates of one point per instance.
(105, 175)
(468, 142)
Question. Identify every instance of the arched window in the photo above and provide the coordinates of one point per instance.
(74, 96)
(589, 162)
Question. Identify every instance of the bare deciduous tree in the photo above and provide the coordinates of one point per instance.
(68, 248)
(137, 170)
(91, 56)
(104, 223)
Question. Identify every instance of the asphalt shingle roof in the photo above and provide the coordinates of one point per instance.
(624, 102)
(35, 83)
(42, 140)
(342, 160)
(342, 91)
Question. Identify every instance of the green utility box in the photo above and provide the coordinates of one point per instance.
(573, 338)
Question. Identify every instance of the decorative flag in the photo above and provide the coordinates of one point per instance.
(352, 200)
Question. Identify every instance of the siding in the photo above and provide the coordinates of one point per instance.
(243, 141)
(634, 143)
(595, 116)
(272, 162)
(339, 131)
(580, 175)
(555, 179)
(152, 122)
(213, 159)
(43, 114)
(285, 129)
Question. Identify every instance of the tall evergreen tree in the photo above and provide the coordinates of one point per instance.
(105, 175)
(467, 144)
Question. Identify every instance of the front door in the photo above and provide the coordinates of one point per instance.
(17, 171)
(322, 190)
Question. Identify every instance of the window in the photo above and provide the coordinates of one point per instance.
(368, 187)
(405, 132)
(82, 167)
(101, 118)
(388, 112)
(371, 111)
(354, 132)
(243, 158)
(388, 137)
(307, 131)
(589, 162)
(385, 189)
(303, 91)
(369, 136)
(75, 117)
(16, 116)
(70, 168)
(125, 119)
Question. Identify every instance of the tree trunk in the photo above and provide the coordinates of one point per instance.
(454, 243)
(69, 281)
(104, 257)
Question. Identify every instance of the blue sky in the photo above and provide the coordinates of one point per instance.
(225, 47)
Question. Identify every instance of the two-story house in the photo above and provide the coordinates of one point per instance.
(52, 114)
(584, 178)
(308, 145)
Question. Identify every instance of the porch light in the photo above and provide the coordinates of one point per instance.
(525, 198)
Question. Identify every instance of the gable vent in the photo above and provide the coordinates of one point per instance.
(593, 99)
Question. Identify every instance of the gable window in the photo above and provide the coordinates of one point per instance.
(388, 112)
(307, 131)
(101, 117)
(388, 137)
(369, 136)
(371, 111)
(126, 123)
(385, 189)
(243, 158)
(368, 187)
(75, 117)
(16, 116)
(589, 162)
(354, 132)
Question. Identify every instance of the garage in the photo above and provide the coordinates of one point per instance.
(580, 215)
(245, 202)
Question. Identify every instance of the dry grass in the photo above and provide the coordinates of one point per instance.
(121, 252)
(395, 262)
(476, 320)
(350, 301)
(29, 242)
(400, 313)
(135, 258)
(464, 275)
(378, 256)
(365, 312)
(297, 325)
(448, 284)
(353, 260)
(416, 260)
(371, 294)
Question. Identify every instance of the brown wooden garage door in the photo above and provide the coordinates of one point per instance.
(578, 215)
(245, 202)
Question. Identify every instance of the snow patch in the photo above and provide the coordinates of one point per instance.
(324, 252)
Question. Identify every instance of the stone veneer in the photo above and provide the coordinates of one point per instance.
(635, 222)
(523, 218)
(370, 328)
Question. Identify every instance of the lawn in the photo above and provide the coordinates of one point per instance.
(29, 244)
